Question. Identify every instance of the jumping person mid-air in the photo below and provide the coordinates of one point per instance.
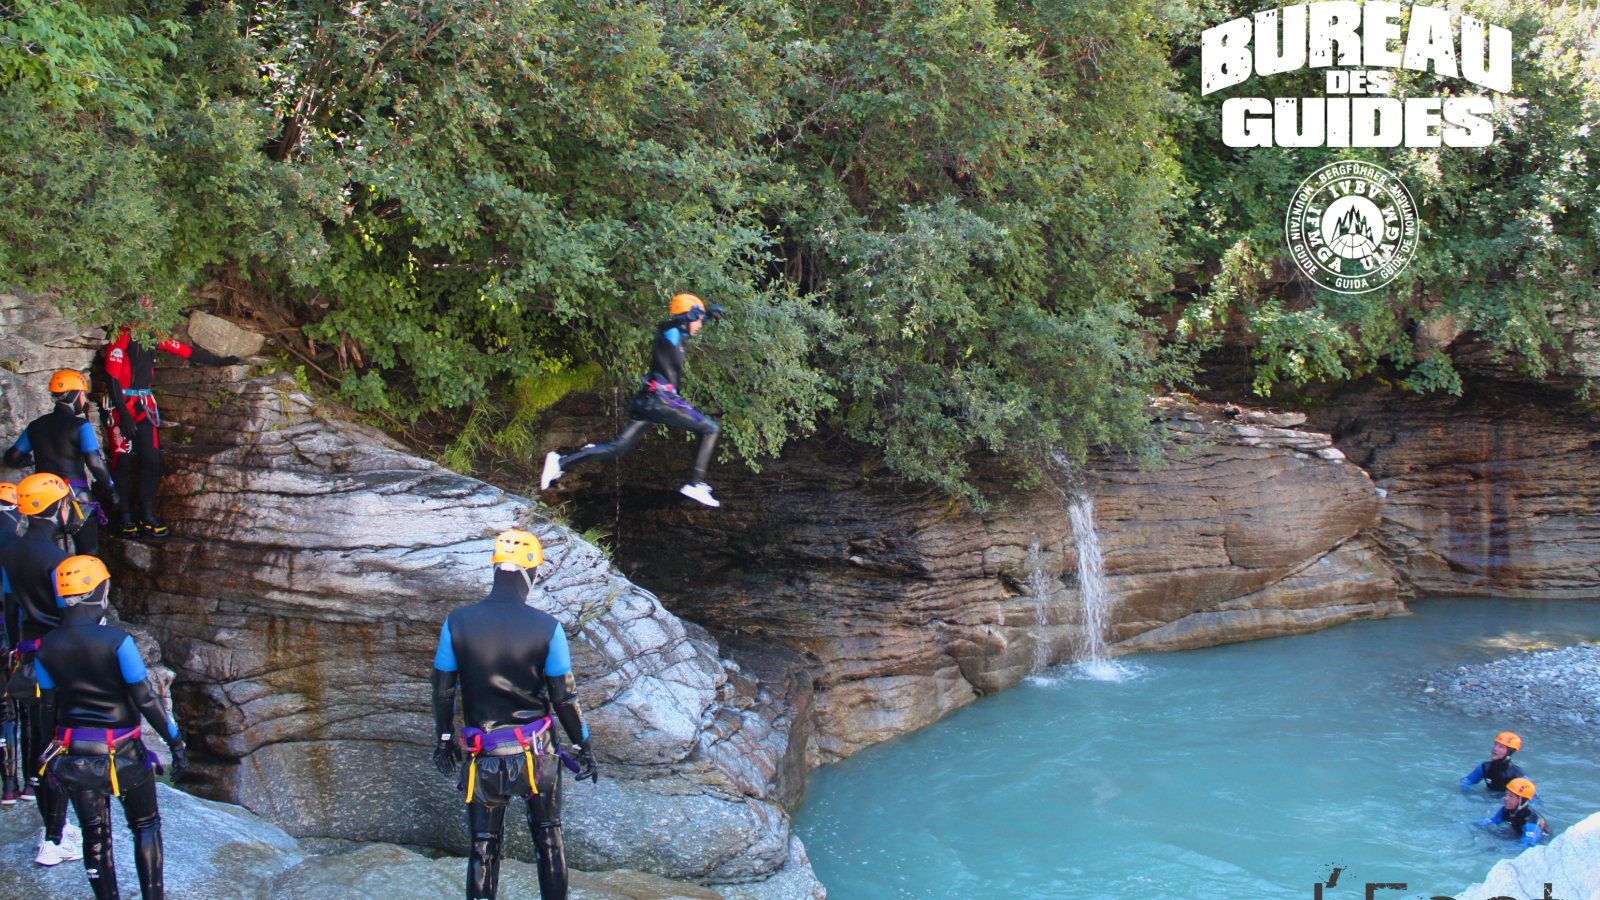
(96, 689)
(658, 403)
(63, 443)
(511, 665)
(135, 443)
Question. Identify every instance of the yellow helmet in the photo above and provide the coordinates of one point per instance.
(685, 302)
(36, 492)
(518, 547)
(8, 493)
(80, 575)
(68, 380)
(1522, 787)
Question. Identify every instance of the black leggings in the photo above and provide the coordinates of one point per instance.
(35, 739)
(650, 410)
(144, 820)
(486, 824)
(143, 460)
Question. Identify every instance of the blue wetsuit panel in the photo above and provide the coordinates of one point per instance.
(46, 683)
(444, 659)
(87, 442)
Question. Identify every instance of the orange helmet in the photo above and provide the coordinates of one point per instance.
(1522, 787)
(518, 547)
(37, 492)
(8, 493)
(685, 302)
(68, 380)
(1511, 741)
(79, 575)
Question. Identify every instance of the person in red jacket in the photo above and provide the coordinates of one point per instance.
(135, 444)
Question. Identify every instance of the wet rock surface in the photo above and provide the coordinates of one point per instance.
(217, 851)
(1488, 494)
(299, 603)
(902, 605)
(1567, 867)
(35, 341)
(1558, 689)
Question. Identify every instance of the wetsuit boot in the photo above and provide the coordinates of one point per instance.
(552, 860)
(487, 824)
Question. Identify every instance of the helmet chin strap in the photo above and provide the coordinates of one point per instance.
(526, 578)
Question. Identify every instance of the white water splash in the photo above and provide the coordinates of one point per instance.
(1093, 663)
(1039, 589)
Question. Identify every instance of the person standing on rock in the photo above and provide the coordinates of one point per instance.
(1498, 770)
(63, 443)
(95, 690)
(1518, 812)
(11, 526)
(658, 403)
(512, 668)
(28, 577)
(135, 444)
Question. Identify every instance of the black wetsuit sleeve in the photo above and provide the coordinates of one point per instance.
(205, 357)
(564, 697)
(16, 459)
(97, 467)
(149, 706)
(444, 702)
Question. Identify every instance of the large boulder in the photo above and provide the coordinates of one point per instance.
(1567, 867)
(1488, 494)
(901, 604)
(218, 851)
(300, 600)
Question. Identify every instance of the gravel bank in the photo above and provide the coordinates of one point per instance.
(1558, 689)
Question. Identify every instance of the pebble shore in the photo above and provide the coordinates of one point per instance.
(1559, 689)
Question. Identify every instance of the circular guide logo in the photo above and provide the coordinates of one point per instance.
(1352, 227)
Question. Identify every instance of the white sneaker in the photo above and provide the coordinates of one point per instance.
(71, 847)
(699, 492)
(552, 470)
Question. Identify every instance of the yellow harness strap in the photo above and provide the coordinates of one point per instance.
(116, 790)
(472, 776)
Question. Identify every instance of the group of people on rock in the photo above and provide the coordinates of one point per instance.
(1506, 781)
(76, 688)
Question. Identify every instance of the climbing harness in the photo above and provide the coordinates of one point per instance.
(482, 742)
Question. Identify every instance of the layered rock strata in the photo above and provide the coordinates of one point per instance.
(1488, 494)
(300, 601)
(904, 605)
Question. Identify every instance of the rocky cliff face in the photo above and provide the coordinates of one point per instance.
(903, 605)
(1488, 494)
(300, 601)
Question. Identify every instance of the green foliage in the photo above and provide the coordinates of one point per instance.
(1510, 233)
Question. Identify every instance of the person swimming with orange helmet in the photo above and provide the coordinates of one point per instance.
(658, 403)
(1518, 812)
(1497, 771)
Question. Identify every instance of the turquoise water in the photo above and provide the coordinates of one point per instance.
(1242, 772)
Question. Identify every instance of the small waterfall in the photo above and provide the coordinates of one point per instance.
(1039, 589)
(1097, 604)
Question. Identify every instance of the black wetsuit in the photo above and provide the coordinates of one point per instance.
(97, 689)
(28, 575)
(658, 403)
(64, 444)
(10, 739)
(1495, 774)
(512, 667)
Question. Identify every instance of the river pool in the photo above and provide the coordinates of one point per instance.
(1242, 772)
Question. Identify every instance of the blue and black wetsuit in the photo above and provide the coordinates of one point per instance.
(511, 666)
(28, 577)
(64, 444)
(1494, 773)
(1526, 823)
(658, 403)
(96, 690)
(11, 522)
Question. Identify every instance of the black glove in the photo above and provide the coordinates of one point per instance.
(715, 312)
(447, 756)
(180, 757)
(230, 361)
(586, 766)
